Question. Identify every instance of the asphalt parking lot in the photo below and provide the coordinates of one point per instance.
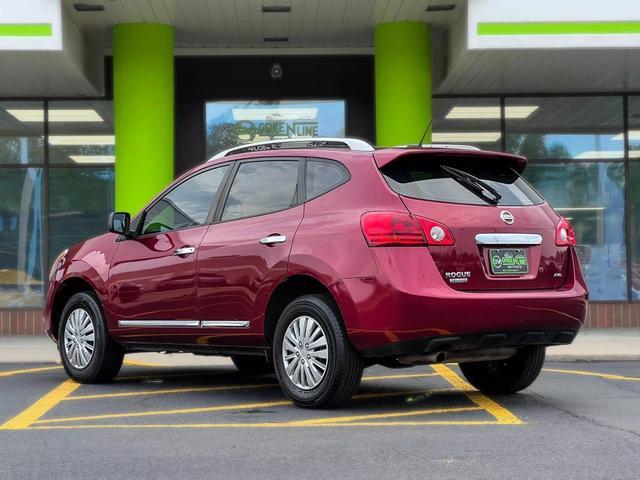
(579, 420)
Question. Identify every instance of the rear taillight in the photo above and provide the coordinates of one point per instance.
(397, 229)
(565, 236)
(436, 233)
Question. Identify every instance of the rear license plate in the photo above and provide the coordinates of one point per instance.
(508, 261)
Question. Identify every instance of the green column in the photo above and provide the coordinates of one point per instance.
(403, 82)
(143, 108)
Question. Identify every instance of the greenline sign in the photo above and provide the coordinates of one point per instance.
(26, 30)
(558, 28)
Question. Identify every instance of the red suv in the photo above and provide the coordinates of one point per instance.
(317, 258)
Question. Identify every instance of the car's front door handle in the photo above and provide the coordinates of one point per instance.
(273, 239)
(184, 251)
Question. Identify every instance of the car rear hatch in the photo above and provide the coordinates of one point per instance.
(504, 233)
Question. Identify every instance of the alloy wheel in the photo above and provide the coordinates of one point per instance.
(305, 352)
(79, 338)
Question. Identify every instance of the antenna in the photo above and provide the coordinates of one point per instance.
(425, 132)
(419, 144)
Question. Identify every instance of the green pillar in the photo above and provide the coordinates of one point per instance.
(403, 82)
(143, 108)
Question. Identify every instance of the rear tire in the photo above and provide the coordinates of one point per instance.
(316, 365)
(252, 365)
(506, 376)
(88, 353)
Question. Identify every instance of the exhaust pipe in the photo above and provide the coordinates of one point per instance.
(480, 355)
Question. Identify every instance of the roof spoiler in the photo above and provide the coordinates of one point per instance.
(387, 156)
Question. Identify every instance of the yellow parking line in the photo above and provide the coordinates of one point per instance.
(141, 363)
(177, 411)
(40, 407)
(410, 413)
(273, 425)
(11, 373)
(500, 413)
(608, 376)
(170, 391)
(217, 408)
(398, 377)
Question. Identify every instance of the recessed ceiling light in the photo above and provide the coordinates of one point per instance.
(82, 140)
(276, 9)
(441, 7)
(93, 158)
(88, 7)
(480, 113)
(461, 137)
(276, 39)
(56, 115)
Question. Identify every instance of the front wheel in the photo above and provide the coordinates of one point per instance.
(87, 352)
(506, 376)
(315, 363)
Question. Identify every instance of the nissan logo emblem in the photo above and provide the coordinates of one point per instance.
(507, 217)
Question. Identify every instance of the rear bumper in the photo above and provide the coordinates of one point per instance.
(408, 305)
(476, 341)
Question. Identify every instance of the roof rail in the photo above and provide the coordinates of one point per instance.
(449, 145)
(314, 142)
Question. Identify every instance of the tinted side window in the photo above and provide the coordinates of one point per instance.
(187, 205)
(323, 176)
(262, 187)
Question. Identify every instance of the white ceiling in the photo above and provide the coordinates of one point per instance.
(232, 27)
(241, 23)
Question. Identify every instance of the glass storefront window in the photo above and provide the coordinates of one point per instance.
(634, 128)
(229, 124)
(634, 221)
(21, 132)
(467, 121)
(22, 273)
(81, 133)
(565, 128)
(591, 196)
(80, 199)
(80, 188)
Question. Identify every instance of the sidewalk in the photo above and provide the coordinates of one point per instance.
(591, 345)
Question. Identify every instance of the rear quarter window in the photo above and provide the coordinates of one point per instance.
(422, 177)
(323, 176)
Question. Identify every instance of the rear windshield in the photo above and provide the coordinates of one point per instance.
(424, 178)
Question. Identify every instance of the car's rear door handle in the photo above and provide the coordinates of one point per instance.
(184, 251)
(273, 239)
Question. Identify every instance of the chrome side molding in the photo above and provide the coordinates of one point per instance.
(185, 323)
(226, 323)
(508, 239)
(158, 323)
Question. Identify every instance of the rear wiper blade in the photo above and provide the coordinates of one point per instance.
(473, 183)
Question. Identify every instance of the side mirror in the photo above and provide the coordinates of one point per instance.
(120, 223)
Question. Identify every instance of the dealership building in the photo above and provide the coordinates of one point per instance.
(104, 102)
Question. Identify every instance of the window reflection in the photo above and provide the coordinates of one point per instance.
(591, 196)
(21, 263)
(563, 128)
(80, 199)
(468, 121)
(81, 133)
(21, 132)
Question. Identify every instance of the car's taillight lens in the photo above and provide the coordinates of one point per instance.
(565, 235)
(436, 233)
(396, 228)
